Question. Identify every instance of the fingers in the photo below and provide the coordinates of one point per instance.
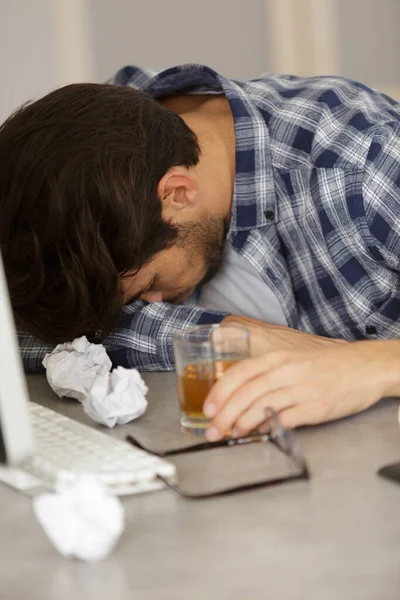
(255, 416)
(283, 401)
(305, 388)
(245, 407)
(234, 379)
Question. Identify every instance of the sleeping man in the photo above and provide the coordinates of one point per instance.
(160, 201)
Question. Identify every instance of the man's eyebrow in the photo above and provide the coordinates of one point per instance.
(142, 291)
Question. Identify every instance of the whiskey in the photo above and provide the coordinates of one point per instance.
(194, 384)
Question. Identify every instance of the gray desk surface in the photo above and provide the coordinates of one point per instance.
(336, 536)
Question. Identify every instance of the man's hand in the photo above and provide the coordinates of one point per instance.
(265, 337)
(305, 386)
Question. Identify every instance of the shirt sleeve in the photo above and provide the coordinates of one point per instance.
(144, 340)
(381, 194)
(132, 76)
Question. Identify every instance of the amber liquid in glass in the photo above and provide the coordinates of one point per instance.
(194, 384)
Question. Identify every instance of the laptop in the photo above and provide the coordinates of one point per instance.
(42, 449)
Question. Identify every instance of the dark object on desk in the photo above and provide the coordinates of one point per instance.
(3, 454)
(259, 460)
(391, 472)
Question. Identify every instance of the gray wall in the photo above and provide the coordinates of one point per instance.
(27, 66)
(228, 35)
(370, 40)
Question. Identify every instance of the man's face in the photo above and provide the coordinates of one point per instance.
(173, 274)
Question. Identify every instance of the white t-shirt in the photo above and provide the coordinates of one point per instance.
(239, 289)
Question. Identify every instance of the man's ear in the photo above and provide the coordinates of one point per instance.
(177, 190)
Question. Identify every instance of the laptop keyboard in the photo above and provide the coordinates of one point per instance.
(65, 450)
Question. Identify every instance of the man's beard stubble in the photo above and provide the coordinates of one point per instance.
(203, 240)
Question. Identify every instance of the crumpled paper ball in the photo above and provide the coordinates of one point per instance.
(116, 398)
(72, 368)
(81, 370)
(83, 521)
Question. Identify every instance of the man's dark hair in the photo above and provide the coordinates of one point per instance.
(79, 170)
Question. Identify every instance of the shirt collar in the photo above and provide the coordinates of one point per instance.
(254, 200)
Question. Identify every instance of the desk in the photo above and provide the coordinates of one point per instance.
(334, 537)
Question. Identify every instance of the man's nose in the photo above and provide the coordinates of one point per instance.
(152, 297)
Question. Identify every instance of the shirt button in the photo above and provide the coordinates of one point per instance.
(269, 215)
(370, 330)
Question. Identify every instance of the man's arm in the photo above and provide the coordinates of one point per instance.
(305, 387)
(308, 386)
(267, 338)
(144, 340)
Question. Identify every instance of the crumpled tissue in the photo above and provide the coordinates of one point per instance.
(83, 521)
(116, 398)
(72, 367)
(81, 370)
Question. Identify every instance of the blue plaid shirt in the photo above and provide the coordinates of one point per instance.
(316, 209)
